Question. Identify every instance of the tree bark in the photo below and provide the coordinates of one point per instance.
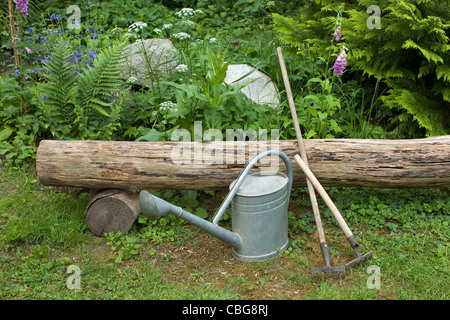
(416, 163)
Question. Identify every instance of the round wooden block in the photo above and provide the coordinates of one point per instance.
(112, 211)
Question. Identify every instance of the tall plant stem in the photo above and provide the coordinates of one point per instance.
(13, 33)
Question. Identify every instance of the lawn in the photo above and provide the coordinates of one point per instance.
(43, 235)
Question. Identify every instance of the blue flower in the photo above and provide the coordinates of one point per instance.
(44, 97)
(49, 32)
(31, 30)
(17, 72)
(53, 16)
(58, 32)
(92, 55)
(58, 17)
(69, 31)
(81, 47)
(79, 36)
(91, 29)
(94, 36)
(43, 39)
(47, 58)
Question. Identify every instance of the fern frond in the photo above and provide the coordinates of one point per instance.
(54, 96)
(96, 88)
(98, 85)
(430, 118)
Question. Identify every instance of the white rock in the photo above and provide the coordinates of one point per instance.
(261, 91)
(157, 51)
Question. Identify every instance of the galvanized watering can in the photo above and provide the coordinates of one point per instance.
(259, 212)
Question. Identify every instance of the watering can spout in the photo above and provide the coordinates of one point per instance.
(155, 208)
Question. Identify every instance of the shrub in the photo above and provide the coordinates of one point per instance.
(409, 52)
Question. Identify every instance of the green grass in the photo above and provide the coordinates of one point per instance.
(43, 232)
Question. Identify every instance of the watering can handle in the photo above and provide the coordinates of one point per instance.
(243, 175)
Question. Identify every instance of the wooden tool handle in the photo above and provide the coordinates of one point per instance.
(301, 146)
(324, 196)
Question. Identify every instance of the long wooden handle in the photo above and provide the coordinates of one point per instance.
(324, 196)
(301, 146)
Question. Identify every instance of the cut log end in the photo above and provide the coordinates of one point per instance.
(112, 211)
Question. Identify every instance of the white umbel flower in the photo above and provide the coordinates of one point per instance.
(181, 68)
(137, 26)
(167, 106)
(185, 12)
(182, 36)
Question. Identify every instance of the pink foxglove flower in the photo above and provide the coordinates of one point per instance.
(28, 50)
(338, 33)
(341, 62)
(22, 5)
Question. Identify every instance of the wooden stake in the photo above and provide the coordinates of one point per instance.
(13, 33)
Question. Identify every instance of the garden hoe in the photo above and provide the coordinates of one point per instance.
(326, 271)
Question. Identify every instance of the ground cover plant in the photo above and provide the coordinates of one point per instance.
(170, 259)
(59, 79)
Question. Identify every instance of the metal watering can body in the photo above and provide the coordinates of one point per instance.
(259, 215)
(259, 212)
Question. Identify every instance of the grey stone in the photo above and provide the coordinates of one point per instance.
(261, 90)
(160, 53)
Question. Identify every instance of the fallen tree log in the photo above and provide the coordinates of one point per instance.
(415, 163)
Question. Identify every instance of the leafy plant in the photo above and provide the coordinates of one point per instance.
(408, 53)
(123, 246)
(213, 92)
(20, 122)
(81, 103)
(318, 110)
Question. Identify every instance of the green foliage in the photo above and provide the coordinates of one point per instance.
(318, 110)
(20, 124)
(122, 246)
(58, 91)
(409, 53)
(81, 104)
(326, 105)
